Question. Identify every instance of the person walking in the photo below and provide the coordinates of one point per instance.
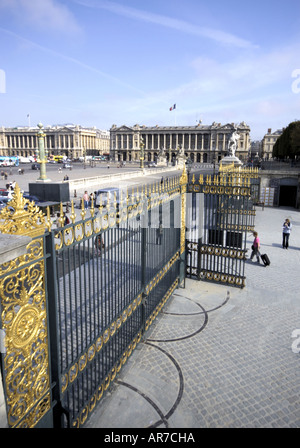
(255, 247)
(286, 231)
(86, 200)
(99, 244)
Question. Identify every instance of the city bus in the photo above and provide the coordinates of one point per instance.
(9, 161)
(99, 158)
(58, 159)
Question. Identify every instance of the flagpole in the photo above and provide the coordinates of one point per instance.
(174, 108)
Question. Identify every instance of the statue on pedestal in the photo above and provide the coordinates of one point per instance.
(161, 158)
(232, 143)
(181, 158)
(231, 158)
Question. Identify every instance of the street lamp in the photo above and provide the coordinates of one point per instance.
(42, 155)
(142, 155)
(189, 164)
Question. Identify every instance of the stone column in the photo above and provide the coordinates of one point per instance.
(42, 155)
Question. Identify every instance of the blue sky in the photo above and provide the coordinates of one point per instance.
(101, 62)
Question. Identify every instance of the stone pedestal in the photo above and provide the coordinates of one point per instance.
(161, 161)
(181, 162)
(229, 160)
(50, 191)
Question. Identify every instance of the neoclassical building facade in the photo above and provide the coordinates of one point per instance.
(268, 143)
(200, 143)
(72, 141)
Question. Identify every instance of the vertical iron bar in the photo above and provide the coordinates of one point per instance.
(53, 323)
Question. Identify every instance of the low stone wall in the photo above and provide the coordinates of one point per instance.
(82, 184)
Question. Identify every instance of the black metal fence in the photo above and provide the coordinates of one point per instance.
(220, 213)
(110, 275)
(76, 305)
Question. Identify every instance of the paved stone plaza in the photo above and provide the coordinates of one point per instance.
(218, 356)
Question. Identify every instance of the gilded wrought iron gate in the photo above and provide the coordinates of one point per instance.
(110, 275)
(220, 213)
(74, 307)
(25, 357)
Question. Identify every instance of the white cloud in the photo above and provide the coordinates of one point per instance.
(254, 74)
(255, 88)
(43, 14)
(220, 36)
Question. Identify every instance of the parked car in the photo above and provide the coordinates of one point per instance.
(151, 164)
(4, 200)
(31, 197)
(107, 195)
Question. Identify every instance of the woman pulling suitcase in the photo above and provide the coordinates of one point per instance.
(255, 247)
(256, 251)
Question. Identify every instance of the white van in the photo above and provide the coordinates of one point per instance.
(25, 159)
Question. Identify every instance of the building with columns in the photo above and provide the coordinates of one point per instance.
(200, 143)
(72, 141)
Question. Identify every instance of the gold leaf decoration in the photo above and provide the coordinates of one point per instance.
(21, 216)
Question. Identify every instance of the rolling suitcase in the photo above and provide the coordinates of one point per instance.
(265, 259)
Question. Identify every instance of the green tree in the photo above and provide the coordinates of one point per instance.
(288, 144)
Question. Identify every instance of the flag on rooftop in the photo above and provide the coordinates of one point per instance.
(173, 107)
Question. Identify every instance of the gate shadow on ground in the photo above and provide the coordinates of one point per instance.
(164, 417)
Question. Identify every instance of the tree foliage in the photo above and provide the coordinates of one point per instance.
(288, 144)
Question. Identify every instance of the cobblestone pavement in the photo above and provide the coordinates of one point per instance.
(218, 356)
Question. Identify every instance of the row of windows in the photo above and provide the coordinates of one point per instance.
(31, 142)
(187, 141)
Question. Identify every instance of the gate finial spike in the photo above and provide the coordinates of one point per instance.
(61, 219)
(72, 215)
(82, 209)
(100, 203)
(92, 207)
